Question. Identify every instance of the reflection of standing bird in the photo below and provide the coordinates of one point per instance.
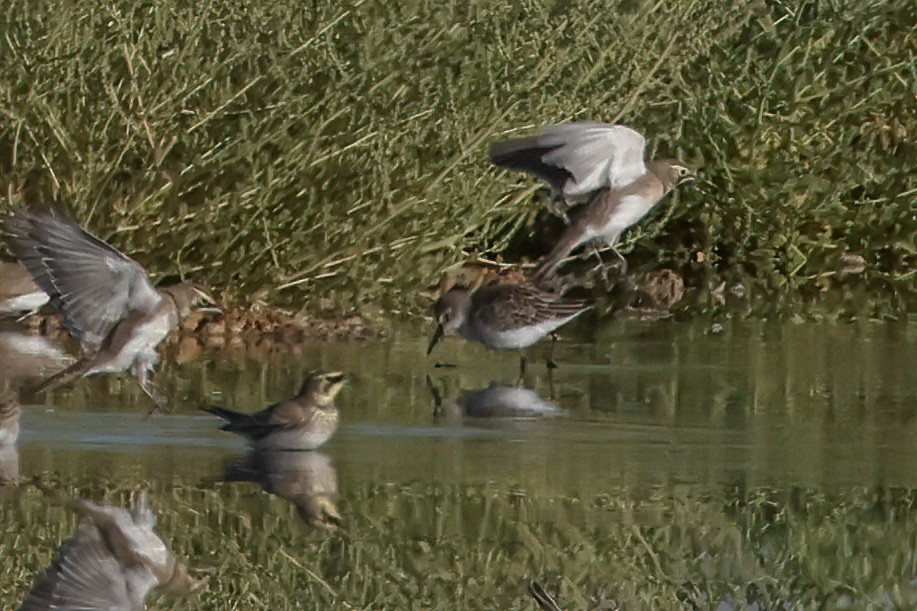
(104, 298)
(9, 433)
(18, 292)
(113, 562)
(497, 401)
(306, 479)
(302, 423)
(594, 163)
(512, 316)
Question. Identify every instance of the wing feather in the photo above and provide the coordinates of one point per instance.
(577, 158)
(92, 285)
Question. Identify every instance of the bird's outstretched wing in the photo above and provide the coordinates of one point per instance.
(85, 575)
(576, 159)
(92, 286)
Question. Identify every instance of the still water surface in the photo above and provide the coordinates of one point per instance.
(662, 465)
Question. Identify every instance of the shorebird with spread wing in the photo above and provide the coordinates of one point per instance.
(595, 164)
(104, 298)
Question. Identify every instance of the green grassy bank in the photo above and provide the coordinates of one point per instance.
(407, 547)
(334, 155)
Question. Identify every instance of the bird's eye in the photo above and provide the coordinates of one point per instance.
(682, 171)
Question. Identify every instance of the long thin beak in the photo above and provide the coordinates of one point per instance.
(211, 310)
(437, 335)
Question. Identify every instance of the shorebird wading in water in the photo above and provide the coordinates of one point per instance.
(502, 316)
(302, 423)
(600, 165)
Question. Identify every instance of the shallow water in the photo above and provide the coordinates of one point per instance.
(774, 463)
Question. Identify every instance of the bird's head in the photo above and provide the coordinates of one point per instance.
(671, 172)
(322, 388)
(449, 312)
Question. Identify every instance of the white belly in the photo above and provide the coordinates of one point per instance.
(514, 339)
(141, 342)
(631, 209)
(24, 303)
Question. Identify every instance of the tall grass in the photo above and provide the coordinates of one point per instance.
(477, 546)
(334, 154)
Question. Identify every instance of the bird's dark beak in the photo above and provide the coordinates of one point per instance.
(208, 303)
(337, 378)
(437, 335)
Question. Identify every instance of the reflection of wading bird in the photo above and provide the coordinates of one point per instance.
(104, 298)
(495, 401)
(113, 562)
(302, 423)
(306, 479)
(597, 164)
(506, 316)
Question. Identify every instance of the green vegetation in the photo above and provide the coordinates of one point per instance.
(336, 155)
(476, 547)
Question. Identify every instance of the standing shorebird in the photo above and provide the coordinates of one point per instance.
(113, 562)
(597, 164)
(503, 316)
(104, 298)
(302, 423)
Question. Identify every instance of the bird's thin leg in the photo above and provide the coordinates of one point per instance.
(437, 398)
(549, 361)
(601, 267)
(621, 258)
(158, 404)
(522, 364)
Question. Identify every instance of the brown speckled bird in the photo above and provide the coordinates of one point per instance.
(503, 316)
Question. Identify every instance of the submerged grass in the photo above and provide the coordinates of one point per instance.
(334, 155)
(477, 546)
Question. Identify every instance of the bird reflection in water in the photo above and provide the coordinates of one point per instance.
(495, 401)
(307, 479)
(113, 562)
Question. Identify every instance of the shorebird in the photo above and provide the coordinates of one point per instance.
(303, 422)
(18, 292)
(113, 562)
(597, 164)
(502, 316)
(306, 479)
(9, 433)
(104, 298)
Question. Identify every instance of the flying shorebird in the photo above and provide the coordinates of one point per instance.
(502, 316)
(113, 562)
(303, 422)
(600, 165)
(104, 298)
(18, 292)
